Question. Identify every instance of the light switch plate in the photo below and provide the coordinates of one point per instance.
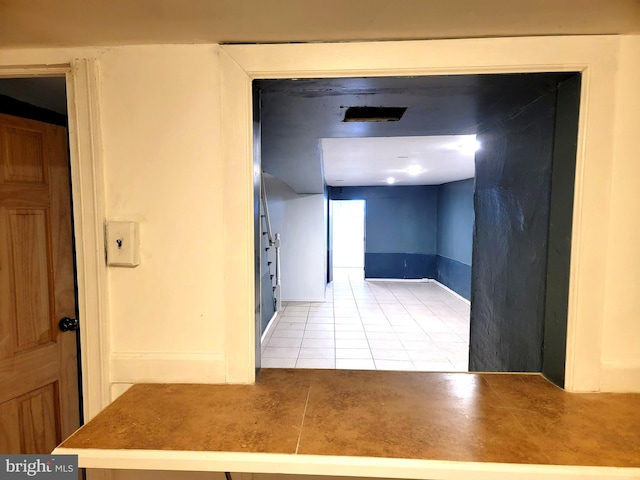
(123, 244)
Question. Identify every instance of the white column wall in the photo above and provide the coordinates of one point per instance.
(300, 221)
(621, 330)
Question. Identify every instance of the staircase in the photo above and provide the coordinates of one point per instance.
(269, 264)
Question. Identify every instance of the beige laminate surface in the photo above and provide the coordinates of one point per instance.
(504, 418)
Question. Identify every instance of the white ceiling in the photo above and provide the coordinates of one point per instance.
(370, 161)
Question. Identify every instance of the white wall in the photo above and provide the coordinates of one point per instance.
(164, 167)
(160, 114)
(597, 57)
(621, 332)
(300, 221)
(160, 108)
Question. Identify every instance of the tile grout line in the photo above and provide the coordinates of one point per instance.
(361, 321)
(306, 322)
(510, 412)
(304, 414)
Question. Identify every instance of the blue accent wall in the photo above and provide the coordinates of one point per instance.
(455, 220)
(418, 232)
(455, 275)
(401, 229)
(455, 236)
(400, 265)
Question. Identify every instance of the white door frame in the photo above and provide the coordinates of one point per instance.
(594, 56)
(87, 190)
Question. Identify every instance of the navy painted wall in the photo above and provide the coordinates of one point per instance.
(455, 220)
(513, 184)
(560, 220)
(401, 229)
(455, 236)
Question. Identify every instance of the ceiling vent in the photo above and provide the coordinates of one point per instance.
(374, 114)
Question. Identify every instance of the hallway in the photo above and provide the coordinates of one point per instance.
(372, 325)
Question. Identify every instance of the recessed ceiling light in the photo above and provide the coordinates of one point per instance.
(414, 170)
(391, 180)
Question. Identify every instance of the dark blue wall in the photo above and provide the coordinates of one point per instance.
(418, 231)
(401, 229)
(455, 236)
(513, 185)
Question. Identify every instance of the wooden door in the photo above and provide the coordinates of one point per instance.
(38, 367)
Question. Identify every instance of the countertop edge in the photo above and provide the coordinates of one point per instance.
(280, 463)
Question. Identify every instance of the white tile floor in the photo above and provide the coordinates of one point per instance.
(372, 325)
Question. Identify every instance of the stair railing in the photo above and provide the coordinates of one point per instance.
(274, 241)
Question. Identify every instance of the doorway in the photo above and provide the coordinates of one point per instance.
(41, 402)
(348, 233)
(471, 105)
(590, 56)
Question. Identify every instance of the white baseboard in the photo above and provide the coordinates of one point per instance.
(422, 280)
(118, 389)
(167, 367)
(398, 280)
(450, 291)
(620, 378)
(269, 325)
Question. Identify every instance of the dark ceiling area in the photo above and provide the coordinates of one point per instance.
(38, 98)
(44, 92)
(297, 113)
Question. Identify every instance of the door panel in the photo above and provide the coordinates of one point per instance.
(38, 419)
(38, 363)
(30, 267)
(23, 155)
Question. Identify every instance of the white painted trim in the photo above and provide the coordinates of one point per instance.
(167, 367)
(399, 280)
(88, 215)
(335, 466)
(87, 185)
(594, 56)
(457, 295)
(239, 307)
(420, 280)
(269, 326)
(22, 71)
(620, 378)
(118, 389)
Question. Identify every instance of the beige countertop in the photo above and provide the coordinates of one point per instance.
(368, 423)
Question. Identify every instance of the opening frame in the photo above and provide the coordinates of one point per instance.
(594, 57)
